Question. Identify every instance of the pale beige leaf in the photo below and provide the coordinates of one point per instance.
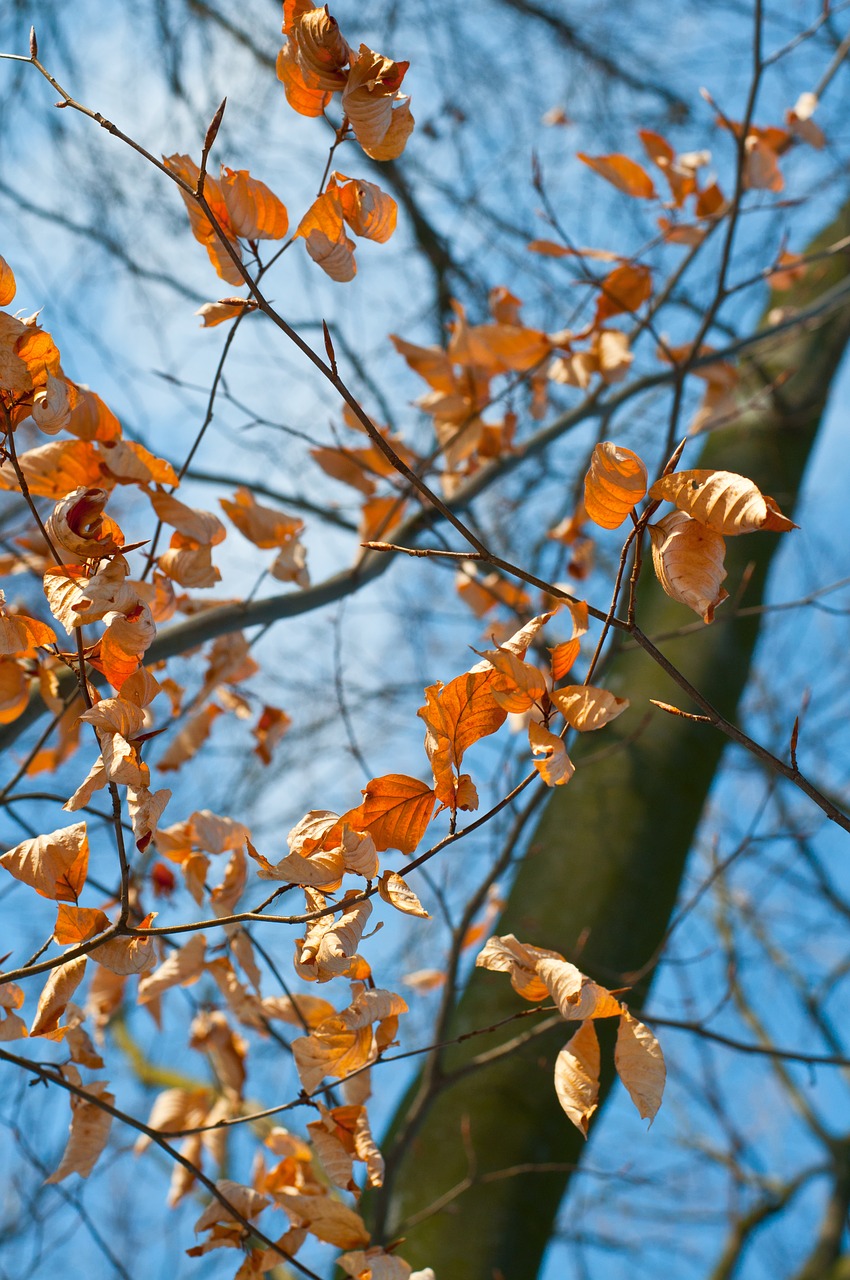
(640, 1065)
(127, 955)
(688, 560)
(397, 892)
(90, 1126)
(244, 1200)
(60, 986)
(55, 865)
(722, 500)
(340, 942)
(520, 960)
(175, 1109)
(585, 707)
(577, 1076)
(183, 966)
(556, 768)
(327, 1219)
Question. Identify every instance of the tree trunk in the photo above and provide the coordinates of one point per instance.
(601, 873)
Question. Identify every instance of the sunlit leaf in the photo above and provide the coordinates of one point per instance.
(577, 1076)
(723, 501)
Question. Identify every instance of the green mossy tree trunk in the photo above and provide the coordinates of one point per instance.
(603, 866)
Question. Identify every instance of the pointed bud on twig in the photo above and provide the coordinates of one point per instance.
(329, 347)
(795, 733)
(33, 44)
(536, 173)
(215, 125)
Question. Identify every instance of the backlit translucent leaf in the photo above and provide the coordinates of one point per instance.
(396, 810)
(615, 483)
(625, 174)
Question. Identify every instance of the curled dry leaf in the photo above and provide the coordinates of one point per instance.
(585, 707)
(722, 500)
(51, 407)
(688, 561)
(397, 892)
(90, 1125)
(556, 767)
(640, 1065)
(378, 113)
(613, 486)
(77, 525)
(519, 959)
(577, 1076)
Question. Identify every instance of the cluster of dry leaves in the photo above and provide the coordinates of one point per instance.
(96, 675)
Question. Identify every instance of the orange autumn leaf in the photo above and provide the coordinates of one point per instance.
(456, 715)
(91, 419)
(395, 811)
(52, 470)
(303, 98)
(625, 174)
(127, 955)
(378, 113)
(268, 731)
(55, 865)
(379, 516)
(323, 231)
(76, 924)
(255, 212)
(615, 483)
(368, 210)
(266, 527)
(189, 740)
(623, 289)
(397, 892)
(14, 690)
(322, 52)
(8, 287)
(20, 635)
(78, 525)
(723, 501)
(219, 244)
